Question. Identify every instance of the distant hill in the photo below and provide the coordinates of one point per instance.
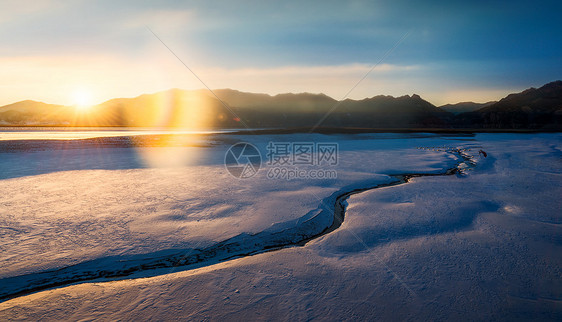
(35, 113)
(534, 109)
(387, 111)
(306, 110)
(464, 107)
(283, 110)
(172, 108)
(201, 109)
(531, 109)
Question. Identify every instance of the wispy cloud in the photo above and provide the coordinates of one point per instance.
(14, 9)
(328, 71)
(166, 20)
(294, 46)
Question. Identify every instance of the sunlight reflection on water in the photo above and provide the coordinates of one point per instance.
(63, 133)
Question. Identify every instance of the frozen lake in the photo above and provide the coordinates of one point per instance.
(485, 244)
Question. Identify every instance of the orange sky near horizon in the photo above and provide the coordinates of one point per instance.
(57, 80)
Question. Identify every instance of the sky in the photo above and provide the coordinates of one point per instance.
(62, 52)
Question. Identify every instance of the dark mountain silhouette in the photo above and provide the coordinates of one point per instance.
(531, 109)
(463, 107)
(283, 110)
(388, 112)
(306, 110)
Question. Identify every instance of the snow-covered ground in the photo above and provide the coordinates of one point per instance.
(484, 245)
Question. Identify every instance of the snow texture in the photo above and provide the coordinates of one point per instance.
(483, 245)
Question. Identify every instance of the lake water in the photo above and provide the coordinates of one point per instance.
(75, 133)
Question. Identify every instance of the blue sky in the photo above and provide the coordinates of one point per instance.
(453, 50)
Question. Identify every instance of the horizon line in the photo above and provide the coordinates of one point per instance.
(265, 93)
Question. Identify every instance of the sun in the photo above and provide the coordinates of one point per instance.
(82, 98)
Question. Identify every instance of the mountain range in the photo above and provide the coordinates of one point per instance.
(225, 108)
(463, 107)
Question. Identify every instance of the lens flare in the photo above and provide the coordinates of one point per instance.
(174, 110)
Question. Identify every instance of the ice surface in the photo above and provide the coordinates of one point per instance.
(486, 245)
(61, 218)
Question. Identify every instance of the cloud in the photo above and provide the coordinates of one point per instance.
(163, 20)
(14, 9)
(290, 46)
(316, 71)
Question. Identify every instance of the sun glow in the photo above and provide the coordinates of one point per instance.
(82, 98)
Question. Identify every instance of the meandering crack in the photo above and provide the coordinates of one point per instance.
(298, 232)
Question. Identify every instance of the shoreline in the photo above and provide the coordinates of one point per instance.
(352, 130)
(288, 130)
